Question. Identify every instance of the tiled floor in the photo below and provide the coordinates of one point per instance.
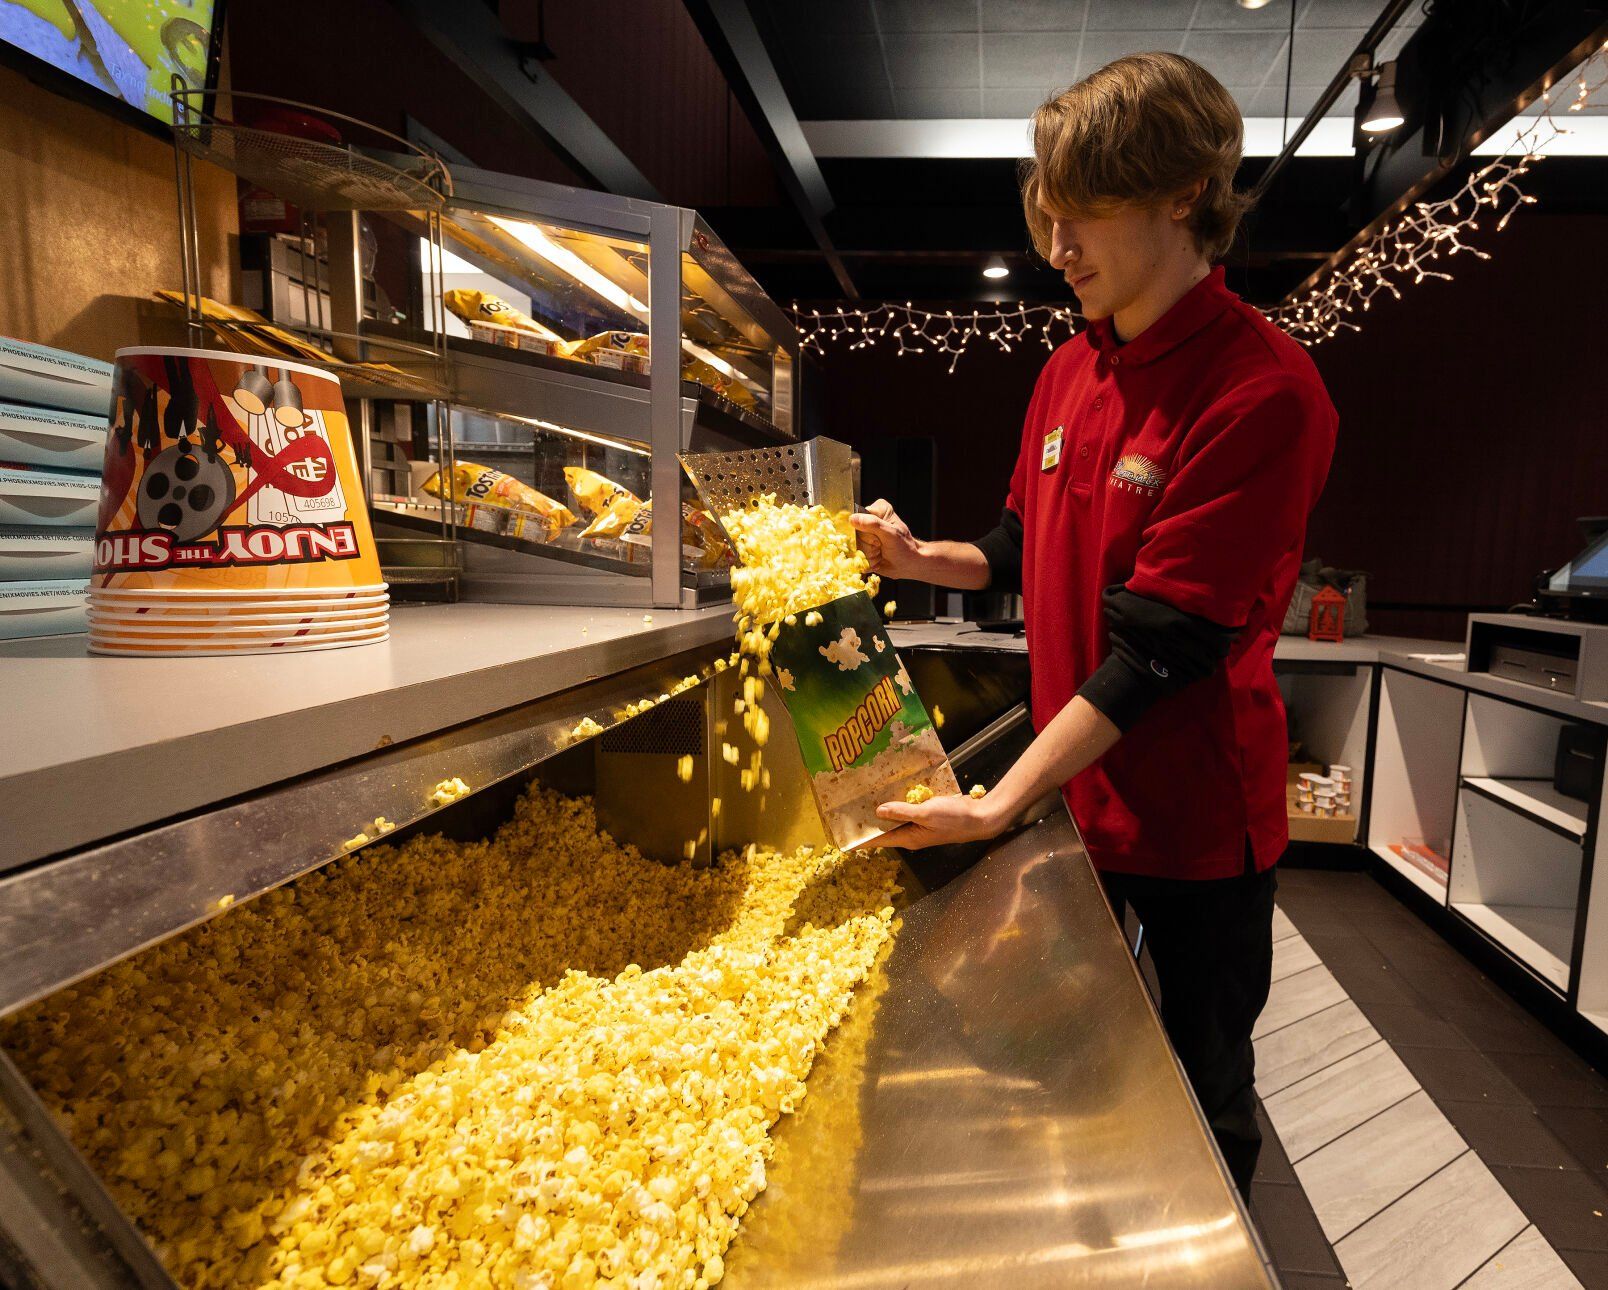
(1424, 1132)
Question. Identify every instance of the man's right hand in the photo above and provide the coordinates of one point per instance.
(887, 541)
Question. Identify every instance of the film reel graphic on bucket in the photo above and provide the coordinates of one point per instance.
(233, 484)
(183, 494)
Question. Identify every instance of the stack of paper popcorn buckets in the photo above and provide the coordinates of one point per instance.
(232, 518)
(1325, 795)
(52, 436)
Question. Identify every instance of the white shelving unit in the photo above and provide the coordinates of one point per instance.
(1518, 853)
(1415, 771)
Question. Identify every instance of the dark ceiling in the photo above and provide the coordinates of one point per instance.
(921, 227)
(1001, 58)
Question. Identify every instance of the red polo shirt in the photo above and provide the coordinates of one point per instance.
(1189, 460)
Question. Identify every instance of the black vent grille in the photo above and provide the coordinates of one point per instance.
(673, 728)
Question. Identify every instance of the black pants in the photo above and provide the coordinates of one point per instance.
(1212, 944)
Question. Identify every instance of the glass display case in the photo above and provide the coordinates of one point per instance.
(591, 337)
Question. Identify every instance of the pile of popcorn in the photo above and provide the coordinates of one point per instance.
(420, 1066)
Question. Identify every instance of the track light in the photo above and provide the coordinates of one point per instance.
(996, 267)
(1384, 113)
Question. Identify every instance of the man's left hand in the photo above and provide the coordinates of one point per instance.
(939, 821)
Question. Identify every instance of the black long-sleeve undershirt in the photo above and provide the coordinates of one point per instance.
(1156, 651)
(1002, 548)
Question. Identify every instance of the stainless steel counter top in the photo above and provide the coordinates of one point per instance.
(96, 746)
(1290, 649)
(1000, 1108)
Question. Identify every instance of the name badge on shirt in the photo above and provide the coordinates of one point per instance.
(1052, 450)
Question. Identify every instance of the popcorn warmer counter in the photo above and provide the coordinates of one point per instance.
(444, 1052)
(602, 322)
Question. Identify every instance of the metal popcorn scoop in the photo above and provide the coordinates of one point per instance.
(817, 471)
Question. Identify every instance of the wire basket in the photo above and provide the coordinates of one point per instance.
(312, 174)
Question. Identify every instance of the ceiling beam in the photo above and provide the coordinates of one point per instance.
(1009, 138)
(729, 31)
(468, 33)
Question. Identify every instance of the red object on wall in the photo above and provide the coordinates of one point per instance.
(1328, 616)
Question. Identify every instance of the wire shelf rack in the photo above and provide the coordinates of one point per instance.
(313, 174)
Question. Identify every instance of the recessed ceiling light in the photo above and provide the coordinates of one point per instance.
(996, 267)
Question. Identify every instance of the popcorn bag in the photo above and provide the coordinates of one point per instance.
(863, 732)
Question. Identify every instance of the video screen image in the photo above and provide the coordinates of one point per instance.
(129, 48)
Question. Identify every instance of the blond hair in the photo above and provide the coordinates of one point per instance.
(1137, 132)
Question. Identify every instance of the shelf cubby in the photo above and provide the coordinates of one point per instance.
(1517, 879)
(1415, 771)
(1328, 709)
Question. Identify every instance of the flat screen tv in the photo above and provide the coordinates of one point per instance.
(128, 50)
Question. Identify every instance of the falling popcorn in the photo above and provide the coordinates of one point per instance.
(684, 768)
(337, 1090)
(977, 791)
(793, 559)
(916, 794)
(937, 716)
(845, 651)
(857, 736)
(887, 609)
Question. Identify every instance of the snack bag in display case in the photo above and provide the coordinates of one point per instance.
(499, 503)
(864, 734)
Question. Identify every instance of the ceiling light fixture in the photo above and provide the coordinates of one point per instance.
(1253, 4)
(996, 267)
(1384, 114)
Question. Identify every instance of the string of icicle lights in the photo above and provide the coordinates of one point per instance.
(924, 331)
(1416, 245)
(1405, 251)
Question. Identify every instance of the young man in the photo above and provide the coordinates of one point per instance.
(1155, 522)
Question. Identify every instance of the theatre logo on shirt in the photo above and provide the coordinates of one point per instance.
(1136, 473)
